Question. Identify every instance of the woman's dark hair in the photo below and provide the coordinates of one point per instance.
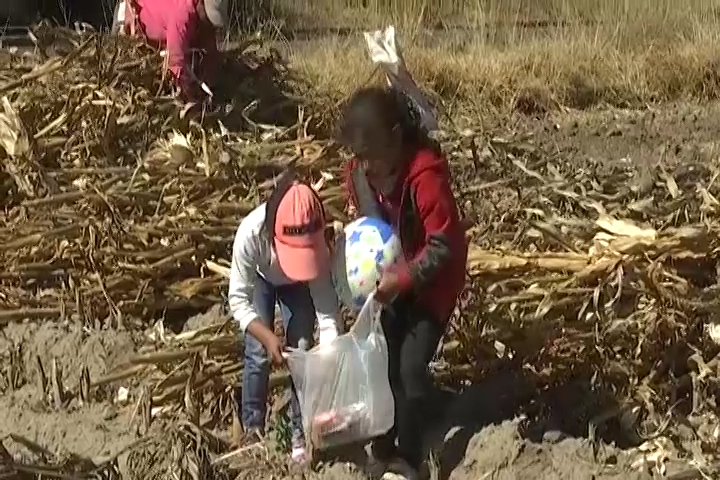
(372, 113)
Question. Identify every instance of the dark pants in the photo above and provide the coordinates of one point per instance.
(412, 336)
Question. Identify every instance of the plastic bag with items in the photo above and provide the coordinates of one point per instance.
(343, 386)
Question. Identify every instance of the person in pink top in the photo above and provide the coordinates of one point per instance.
(187, 30)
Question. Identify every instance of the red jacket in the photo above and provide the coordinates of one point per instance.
(427, 220)
(176, 26)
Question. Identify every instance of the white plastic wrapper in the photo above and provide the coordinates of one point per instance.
(118, 25)
(343, 386)
(385, 52)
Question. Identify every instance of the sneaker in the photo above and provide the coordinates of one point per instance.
(299, 454)
(399, 469)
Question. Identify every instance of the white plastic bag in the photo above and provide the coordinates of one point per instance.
(385, 52)
(343, 385)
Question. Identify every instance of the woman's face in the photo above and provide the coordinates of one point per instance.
(384, 156)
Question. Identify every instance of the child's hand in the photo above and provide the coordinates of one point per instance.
(269, 340)
(388, 288)
(275, 350)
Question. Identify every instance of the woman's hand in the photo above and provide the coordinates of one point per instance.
(388, 288)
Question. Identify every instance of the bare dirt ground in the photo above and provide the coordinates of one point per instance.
(501, 429)
(92, 431)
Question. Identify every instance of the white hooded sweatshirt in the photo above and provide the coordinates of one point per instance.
(252, 255)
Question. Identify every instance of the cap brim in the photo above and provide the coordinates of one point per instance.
(302, 264)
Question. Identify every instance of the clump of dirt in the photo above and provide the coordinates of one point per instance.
(95, 430)
(213, 316)
(671, 134)
(500, 452)
(72, 345)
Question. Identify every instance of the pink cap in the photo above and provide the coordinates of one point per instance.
(299, 234)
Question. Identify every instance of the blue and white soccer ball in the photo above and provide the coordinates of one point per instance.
(365, 248)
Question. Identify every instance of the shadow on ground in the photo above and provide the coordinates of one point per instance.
(544, 418)
(547, 417)
(258, 86)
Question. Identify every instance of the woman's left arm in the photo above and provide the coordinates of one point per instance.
(439, 215)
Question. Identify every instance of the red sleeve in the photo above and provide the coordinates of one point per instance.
(181, 27)
(438, 213)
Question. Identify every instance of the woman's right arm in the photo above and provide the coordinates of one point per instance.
(180, 39)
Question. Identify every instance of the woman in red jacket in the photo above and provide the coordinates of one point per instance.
(401, 176)
(187, 30)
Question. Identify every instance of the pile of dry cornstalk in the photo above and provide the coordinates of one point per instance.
(114, 203)
(110, 213)
(599, 271)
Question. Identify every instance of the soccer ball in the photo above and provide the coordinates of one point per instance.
(365, 248)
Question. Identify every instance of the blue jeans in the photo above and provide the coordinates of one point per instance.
(298, 316)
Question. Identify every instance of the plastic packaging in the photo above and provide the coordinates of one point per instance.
(343, 385)
(385, 52)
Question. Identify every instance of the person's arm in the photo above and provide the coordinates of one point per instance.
(438, 214)
(360, 196)
(326, 308)
(242, 277)
(242, 286)
(180, 30)
(207, 42)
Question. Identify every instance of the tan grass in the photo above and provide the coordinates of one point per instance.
(475, 13)
(617, 53)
